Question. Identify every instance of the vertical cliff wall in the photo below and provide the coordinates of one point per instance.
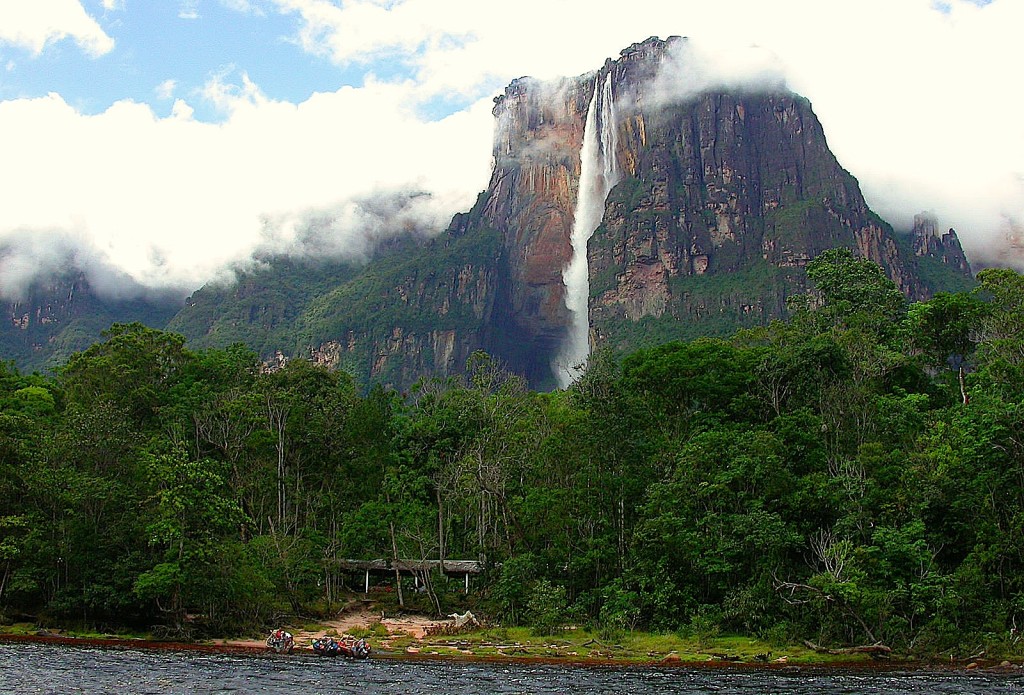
(702, 206)
(61, 314)
(724, 197)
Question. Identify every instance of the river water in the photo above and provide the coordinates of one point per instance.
(37, 668)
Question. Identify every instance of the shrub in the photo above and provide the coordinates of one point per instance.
(705, 625)
(546, 608)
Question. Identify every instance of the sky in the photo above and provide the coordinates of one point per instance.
(170, 140)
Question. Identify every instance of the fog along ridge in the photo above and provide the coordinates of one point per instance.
(679, 208)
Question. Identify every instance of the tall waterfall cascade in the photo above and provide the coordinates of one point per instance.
(599, 173)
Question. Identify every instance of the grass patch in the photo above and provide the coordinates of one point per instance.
(375, 630)
(637, 647)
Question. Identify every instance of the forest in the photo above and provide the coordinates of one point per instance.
(851, 475)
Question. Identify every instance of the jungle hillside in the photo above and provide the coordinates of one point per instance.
(851, 475)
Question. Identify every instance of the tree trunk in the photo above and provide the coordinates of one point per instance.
(398, 574)
(440, 528)
(429, 585)
(394, 555)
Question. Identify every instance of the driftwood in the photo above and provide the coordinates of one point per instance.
(876, 651)
(459, 623)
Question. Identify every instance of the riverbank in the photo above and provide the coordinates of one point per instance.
(418, 638)
(793, 668)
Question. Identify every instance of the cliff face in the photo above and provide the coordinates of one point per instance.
(62, 314)
(417, 308)
(718, 201)
(930, 242)
(530, 202)
(724, 198)
(407, 316)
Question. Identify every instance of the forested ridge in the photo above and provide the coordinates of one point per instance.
(852, 475)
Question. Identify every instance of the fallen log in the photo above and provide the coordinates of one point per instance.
(876, 651)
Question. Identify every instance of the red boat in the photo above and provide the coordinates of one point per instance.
(281, 641)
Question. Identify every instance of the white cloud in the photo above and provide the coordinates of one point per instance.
(165, 90)
(172, 200)
(33, 25)
(188, 9)
(248, 6)
(362, 30)
(919, 104)
(695, 66)
(181, 110)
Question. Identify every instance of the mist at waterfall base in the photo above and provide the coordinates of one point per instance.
(598, 175)
(26, 668)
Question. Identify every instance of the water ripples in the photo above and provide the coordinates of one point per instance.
(35, 668)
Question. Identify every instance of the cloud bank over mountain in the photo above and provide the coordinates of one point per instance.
(176, 181)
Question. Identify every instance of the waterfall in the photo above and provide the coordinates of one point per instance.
(598, 174)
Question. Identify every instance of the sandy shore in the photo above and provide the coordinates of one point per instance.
(357, 617)
(364, 616)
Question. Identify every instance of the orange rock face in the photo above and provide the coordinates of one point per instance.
(715, 183)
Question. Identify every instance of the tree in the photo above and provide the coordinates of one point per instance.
(946, 329)
(855, 292)
(191, 518)
(1001, 349)
(135, 369)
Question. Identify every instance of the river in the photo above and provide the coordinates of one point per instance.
(38, 668)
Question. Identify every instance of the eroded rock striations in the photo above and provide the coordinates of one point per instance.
(721, 198)
(725, 196)
(61, 313)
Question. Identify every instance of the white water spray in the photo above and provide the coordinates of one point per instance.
(598, 175)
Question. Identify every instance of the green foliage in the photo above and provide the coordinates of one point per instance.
(704, 626)
(546, 608)
(511, 590)
(261, 307)
(1000, 355)
(712, 304)
(399, 289)
(855, 291)
(620, 610)
(818, 478)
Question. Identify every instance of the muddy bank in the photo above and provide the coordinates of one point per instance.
(253, 648)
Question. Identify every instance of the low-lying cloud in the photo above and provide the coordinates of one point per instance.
(353, 229)
(916, 97)
(916, 100)
(172, 200)
(59, 254)
(692, 66)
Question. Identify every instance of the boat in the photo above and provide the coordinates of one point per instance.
(326, 646)
(281, 641)
(348, 646)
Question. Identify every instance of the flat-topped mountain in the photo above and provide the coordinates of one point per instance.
(621, 210)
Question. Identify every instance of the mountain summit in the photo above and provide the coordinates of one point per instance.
(710, 203)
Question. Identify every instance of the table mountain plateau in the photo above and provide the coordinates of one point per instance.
(616, 214)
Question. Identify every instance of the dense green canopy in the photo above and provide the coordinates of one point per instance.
(852, 475)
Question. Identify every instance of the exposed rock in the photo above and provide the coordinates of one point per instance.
(716, 184)
(725, 196)
(62, 313)
(725, 199)
(928, 241)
